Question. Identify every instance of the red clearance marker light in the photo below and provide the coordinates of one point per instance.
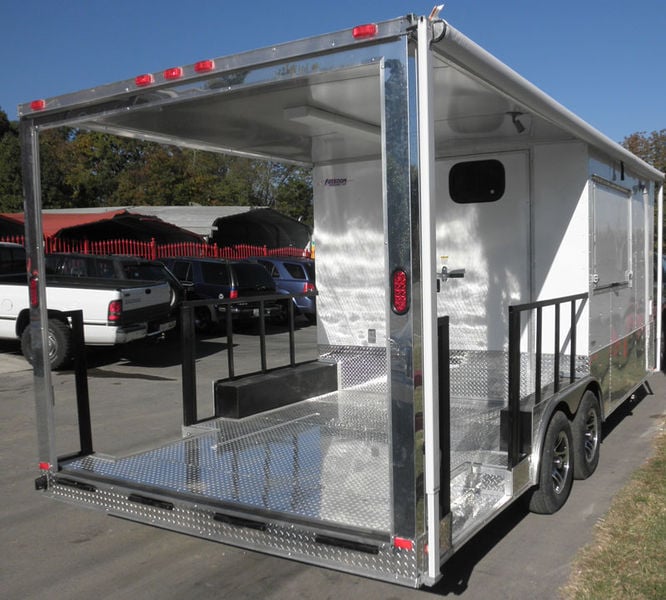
(362, 32)
(173, 73)
(403, 544)
(399, 295)
(145, 79)
(38, 105)
(203, 66)
(44, 466)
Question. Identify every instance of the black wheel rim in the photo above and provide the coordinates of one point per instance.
(561, 462)
(591, 435)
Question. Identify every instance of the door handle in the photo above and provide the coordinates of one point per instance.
(445, 274)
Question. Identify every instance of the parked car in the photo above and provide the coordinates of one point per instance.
(115, 310)
(216, 278)
(115, 266)
(295, 276)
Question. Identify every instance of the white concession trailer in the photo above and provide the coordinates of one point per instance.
(489, 291)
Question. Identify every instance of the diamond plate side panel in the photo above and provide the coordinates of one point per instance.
(280, 539)
(359, 365)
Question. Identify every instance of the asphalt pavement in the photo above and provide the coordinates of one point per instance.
(54, 550)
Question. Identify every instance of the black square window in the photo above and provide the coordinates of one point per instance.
(477, 181)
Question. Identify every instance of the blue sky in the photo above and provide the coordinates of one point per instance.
(604, 60)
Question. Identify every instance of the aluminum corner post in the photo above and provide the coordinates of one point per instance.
(660, 283)
(398, 122)
(32, 204)
(427, 199)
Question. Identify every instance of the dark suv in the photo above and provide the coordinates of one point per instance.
(216, 278)
(131, 268)
(295, 276)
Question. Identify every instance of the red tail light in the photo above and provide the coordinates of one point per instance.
(400, 292)
(33, 292)
(115, 311)
(233, 294)
(308, 286)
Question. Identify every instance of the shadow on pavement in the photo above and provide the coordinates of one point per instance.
(459, 568)
(149, 353)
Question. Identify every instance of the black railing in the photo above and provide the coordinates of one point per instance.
(81, 383)
(443, 354)
(188, 341)
(576, 303)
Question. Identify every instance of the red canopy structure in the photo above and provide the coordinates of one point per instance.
(110, 225)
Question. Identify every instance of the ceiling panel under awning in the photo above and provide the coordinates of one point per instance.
(336, 116)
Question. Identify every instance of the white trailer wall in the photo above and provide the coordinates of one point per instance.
(350, 254)
(560, 221)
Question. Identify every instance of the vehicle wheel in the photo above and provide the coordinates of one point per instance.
(311, 317)
(282, 317)
(203, 322)
(59, 341)
(586, 429)
(556, 471)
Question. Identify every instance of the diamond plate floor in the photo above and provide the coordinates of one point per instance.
(325, 459)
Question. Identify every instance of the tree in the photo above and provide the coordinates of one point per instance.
(11, 192)
(81, 169)
(650, 147)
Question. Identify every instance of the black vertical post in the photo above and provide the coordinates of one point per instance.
(572, 359)
(81, 382)
(292, 343)
(537, 366)
(444, 416)
(230, 342)
(262, 335)
(556, 363)
(514, 388)
(188, 355)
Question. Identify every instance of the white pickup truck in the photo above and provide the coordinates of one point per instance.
(114, 311)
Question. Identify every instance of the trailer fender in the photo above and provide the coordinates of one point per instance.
(586, 430)
(555, 477)
(568, 401)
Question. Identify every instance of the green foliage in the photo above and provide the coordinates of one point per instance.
(11, 193)
(105, 170)
(650, 147)
(91, 169)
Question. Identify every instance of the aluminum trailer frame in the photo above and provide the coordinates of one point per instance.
(382, 114)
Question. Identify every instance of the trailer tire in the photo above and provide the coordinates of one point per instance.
(586, 429)
(556, 469)
(59, 340)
